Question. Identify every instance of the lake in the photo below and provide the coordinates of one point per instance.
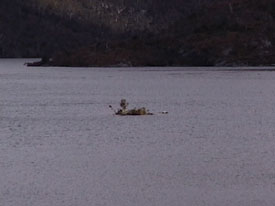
(61, 145)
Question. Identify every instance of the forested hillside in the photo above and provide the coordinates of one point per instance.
(234, 32)
(139, 32)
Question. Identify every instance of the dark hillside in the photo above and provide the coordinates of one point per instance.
(42, 27)
(235, 32)
(139, 32)
(27, 32)
(225, 33)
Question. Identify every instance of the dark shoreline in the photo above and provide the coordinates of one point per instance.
(239, 68)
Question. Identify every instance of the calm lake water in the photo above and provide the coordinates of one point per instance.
(60, 144)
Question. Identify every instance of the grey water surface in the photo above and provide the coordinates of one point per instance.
(60, 144)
